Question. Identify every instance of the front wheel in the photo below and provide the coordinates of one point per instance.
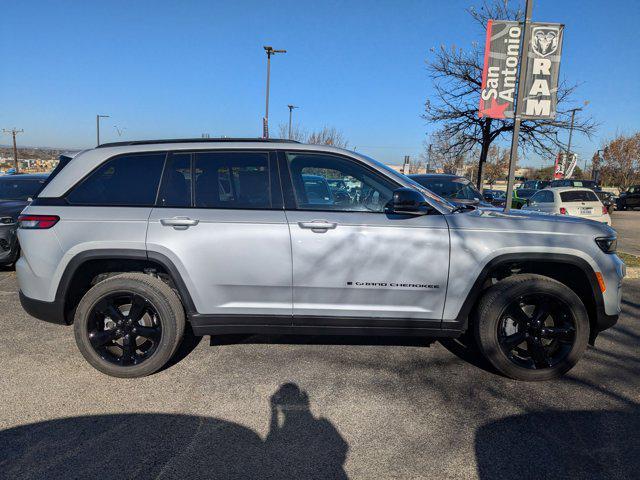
(129, 325)
(531, 327)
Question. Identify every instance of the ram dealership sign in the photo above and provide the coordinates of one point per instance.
(500, 72)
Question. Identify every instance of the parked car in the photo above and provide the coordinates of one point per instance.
(629, 199)
(577, 202)
(520, 197)
(456, 189)
(570, 182)
(497, 198)
(608, 199)
(15, 193)
(129, 241)
(536, 184)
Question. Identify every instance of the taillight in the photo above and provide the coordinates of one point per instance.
(39, 222)
(563, 211)
(604, 210)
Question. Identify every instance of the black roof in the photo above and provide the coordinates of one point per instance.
(195, 140)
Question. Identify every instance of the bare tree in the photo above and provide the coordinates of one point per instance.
(620, 165)
(497, 164)
(457, 79)
(297, 133)
(443, 156)
(327, 136)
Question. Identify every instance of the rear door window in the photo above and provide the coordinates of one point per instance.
(236, 180)
(579, 196)
(126, 180)
(176, 182)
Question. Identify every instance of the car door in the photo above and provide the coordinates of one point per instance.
(219, 218)
(633, 197)
(352, 262)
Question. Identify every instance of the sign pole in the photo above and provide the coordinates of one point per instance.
(513, 159)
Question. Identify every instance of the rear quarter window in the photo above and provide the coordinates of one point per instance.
(126, 180)
(579, 196)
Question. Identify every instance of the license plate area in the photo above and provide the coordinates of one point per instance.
(585, 211)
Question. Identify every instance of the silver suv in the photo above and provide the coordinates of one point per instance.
(130, 241)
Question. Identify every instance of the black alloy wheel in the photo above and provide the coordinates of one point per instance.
(531, 327)
(537, 331)
(129, 325)
(124, 328)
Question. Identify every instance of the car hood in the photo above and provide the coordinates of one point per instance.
(12, 208)
(523, 221)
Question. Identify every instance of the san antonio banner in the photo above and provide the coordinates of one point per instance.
(501, 59)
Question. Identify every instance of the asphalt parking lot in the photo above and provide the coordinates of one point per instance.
(256, 407)
(628, 226)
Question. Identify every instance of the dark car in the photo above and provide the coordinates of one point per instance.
(536, 184)
(521, 196)
(497, 198)
(456, 189)
(570, 182)
(629, 199)
(608, 199)
(15, 194)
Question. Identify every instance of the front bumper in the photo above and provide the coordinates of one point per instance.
(52, 312)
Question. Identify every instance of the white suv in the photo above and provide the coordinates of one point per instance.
(577, 202)
(129, 241)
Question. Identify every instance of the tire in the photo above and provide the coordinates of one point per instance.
(563, 333)
(162, 324)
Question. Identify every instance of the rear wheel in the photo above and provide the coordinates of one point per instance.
(531, 327)
(129, 325)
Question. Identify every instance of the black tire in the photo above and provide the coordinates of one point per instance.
(162, 320)
(549, 344)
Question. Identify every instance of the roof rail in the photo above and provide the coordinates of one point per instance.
(194, 140)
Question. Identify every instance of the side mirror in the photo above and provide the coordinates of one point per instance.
(408, 201)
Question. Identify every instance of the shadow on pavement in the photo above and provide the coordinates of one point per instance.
(596, 444)
(298, 445)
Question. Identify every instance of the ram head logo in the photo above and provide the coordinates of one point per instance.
(544, 40)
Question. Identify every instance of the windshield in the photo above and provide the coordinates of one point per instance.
(444, 204)
(450, 187)
(524, 193)
(13, 188)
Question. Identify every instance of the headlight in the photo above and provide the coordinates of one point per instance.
(607, 244)
(7, 220)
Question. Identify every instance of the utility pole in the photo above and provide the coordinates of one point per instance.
(98, 117)
(513, 159)
(291, 107)
(265, 122)
(429, 158)
(13, 132)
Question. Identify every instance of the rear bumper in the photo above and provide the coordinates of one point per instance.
(52, 312)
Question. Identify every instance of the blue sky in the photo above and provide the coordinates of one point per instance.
(181, 68)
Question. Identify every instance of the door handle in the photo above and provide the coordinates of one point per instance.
(179, 223)
(318, 225)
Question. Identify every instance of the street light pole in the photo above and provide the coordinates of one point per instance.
(265, 125)
(573, 116)
(98, 117)
(291, 107)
